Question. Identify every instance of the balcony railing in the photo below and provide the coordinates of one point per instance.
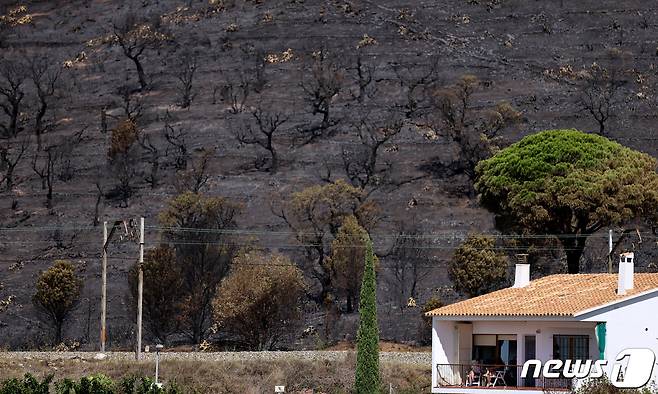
(495, 376)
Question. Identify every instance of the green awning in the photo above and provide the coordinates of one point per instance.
(600, 337)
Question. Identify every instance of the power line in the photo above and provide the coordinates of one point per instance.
(232, 264)
(441, 234)
(374, 234)
(448, 235)
(316, 245)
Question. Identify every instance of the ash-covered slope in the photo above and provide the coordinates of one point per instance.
(380, 64)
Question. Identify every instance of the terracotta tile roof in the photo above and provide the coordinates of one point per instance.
(554, 295)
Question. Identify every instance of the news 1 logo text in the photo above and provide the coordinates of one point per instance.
(632, 368)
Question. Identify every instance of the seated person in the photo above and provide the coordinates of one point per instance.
(488, 377)
(473, 375)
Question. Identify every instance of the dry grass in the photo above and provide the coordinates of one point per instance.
(249, 376)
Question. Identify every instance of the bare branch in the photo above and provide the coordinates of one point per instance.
(408, 259)
(599, 93)
(12, 77)
(197, 176)
(416, 86)
(237, 94)
(9, 159)
(153, 157)
(186, 79)
(44, 74)
(365, 77)
(263, 131)
(177, 139)
(135, 36)
(474, 131)
(130, 103)
(362, 164)
(321, 88)
(43, 164)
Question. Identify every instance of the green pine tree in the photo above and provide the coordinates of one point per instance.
(367, 357)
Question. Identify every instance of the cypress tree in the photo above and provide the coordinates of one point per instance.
(367, 356)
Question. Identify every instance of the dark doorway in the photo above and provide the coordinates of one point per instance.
(497, 353)
(530, 342)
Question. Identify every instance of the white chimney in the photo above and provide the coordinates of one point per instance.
(521, 275)
(626, 271)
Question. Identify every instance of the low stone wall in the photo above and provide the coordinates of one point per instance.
(387, 357)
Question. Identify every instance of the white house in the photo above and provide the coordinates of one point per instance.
(479, 345)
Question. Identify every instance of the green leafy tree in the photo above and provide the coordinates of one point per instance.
(57, 293)
(163, 282)
(316, 213)
(260, 300)
(568, 183)
(367, 379)
(345, 265)
(477, 268)
(200, 231)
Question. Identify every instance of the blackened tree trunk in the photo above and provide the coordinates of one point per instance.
(350, 302)
(274, 159)
(58, 331)
(574, 245)
(140, 73)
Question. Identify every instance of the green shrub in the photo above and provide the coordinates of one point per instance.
(93, 384)
(146, 385)
(604, 386)
(57, 294)
(127, 384)
(28, 385)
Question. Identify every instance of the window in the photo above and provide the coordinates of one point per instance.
(571, 347)
(494, 349)
(484, 348)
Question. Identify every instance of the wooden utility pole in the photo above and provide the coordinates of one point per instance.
(140, 289)
(104, 288)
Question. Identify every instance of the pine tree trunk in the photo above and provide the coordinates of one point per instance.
(573, 247)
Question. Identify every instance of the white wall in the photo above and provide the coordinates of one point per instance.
(444, 344)
(448, 349)
(630, 325)
(465, 343)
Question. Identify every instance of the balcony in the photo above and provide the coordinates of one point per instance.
(474, 378)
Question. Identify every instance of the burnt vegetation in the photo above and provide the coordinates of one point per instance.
(281, 134)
